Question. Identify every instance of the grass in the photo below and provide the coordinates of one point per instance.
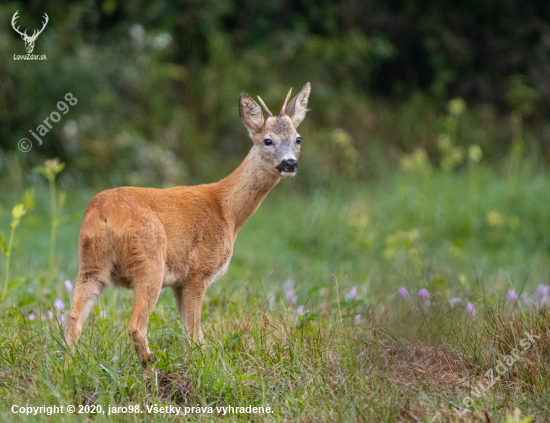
(359, 351)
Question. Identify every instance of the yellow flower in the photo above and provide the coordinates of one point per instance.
(456, 107)
(494, 219)
(416, 163)
(28, 198)
(474, 153)
(17, 213)
(455, 251)
(444, 142)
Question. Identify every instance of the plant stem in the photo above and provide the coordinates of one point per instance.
(51, 260)
(6, 280)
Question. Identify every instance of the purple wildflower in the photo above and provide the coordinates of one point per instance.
(543, 290)
(357, 319)
(68, 286)
(291, 297)
(454, 300)
(352, 293)
(32, 316)
(541, 294)
(300, 310)
(470, 308)
(512, 295)
(50, 314)
(62, 319)
(290, 294)
(59, 305)
(403, 292)
(423, 293)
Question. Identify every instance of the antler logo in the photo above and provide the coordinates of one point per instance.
(29, 41)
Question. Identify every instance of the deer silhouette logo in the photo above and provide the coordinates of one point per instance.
(29, 40)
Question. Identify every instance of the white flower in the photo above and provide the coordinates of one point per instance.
(161, 41)
(137, 32)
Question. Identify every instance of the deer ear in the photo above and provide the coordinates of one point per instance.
(251, 114)
(297, 108)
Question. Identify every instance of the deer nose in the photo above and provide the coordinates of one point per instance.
(288, 165)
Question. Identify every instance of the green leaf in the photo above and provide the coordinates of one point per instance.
(15, 282)
(29, 299)
(305, 319)
(441, 285)
(3, 244)
(313, 291)
(40, 169)
(351, 303)
(109, 373)
(57, 169)
(248, 375)
(232, 341)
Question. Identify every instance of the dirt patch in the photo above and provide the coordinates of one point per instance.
(413, 364)
(176, 388)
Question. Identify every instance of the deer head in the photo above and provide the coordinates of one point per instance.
(275, 137)
(29, 41)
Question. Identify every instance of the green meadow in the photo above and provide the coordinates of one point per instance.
(310, 320)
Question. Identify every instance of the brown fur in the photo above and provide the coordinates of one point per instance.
(181, 237)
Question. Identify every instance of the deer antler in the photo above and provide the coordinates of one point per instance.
(17, 29)
(286, 102)
(265, 107)
(33, 36)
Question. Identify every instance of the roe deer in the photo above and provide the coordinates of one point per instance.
(181, 237)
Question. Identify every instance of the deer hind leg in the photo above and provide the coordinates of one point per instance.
(87, 289)
(95, 264)
(147, 290)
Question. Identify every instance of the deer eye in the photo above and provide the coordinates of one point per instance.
(267, 142)
(298, 140)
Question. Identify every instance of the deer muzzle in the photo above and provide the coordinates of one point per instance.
(287, 166)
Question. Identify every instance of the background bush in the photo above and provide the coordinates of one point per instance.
(158, 84)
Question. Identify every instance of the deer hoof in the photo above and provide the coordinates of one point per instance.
(148, 360)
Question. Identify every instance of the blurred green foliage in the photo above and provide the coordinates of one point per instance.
(157, 84)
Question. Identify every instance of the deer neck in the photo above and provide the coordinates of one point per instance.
(241, 193)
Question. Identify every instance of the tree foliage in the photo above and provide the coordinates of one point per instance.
(158, 81)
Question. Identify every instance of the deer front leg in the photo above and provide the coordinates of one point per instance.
(189, 299)
(147, 294)
(178, 295)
